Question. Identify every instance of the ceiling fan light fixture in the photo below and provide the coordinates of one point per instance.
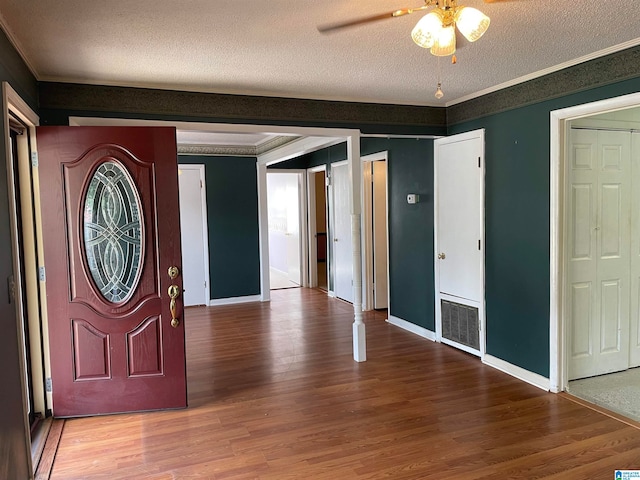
(445, 42)
(427, 29)
(471, 22)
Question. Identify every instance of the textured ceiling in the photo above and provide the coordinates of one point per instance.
(273, 48)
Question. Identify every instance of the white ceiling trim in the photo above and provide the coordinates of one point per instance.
(297, 148)
(312, 138)
(17, 45)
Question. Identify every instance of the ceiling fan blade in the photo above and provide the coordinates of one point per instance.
(331, 27)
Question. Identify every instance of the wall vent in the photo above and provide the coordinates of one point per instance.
(460, 324)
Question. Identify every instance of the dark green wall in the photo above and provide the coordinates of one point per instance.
(410, 170)
(13, 447)
(517, 146)
(232, 216)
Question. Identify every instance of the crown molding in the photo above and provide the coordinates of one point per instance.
(237, 150)
(597, 72)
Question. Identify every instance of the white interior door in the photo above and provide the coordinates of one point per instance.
(193, 232)
(380, 253)
(598, 253)
(459, 217)
(342, 248)
(634, 340)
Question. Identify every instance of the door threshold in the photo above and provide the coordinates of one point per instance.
(49, 449)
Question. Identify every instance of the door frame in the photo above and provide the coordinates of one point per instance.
(367, 237)
(36, 297)
(205, 230)
(478, 135)
(303, 222)
(559, 143)
(312, 244)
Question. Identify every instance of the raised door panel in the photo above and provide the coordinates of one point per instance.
(581, 309)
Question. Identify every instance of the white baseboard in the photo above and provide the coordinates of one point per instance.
(232, 300)
(520, 373)
(412, 327)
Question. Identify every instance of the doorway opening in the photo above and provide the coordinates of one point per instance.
(602, 259)
(284, 212)
(193, 233)
(318, 228)
(375, 232)
(26, 286)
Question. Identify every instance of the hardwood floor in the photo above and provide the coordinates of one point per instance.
(274, 393)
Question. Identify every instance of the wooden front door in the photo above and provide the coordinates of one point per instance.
(110, 217)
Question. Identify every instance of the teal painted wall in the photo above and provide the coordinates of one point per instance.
(232, 216)
(517, 146)
(410, 170)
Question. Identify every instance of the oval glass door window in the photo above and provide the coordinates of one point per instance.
(113, 233)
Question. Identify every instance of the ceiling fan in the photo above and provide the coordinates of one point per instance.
(436, 30)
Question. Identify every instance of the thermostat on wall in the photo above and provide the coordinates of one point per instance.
(413, 198)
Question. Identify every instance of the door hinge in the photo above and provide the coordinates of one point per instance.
(200, 184)
(11, 288)
(42, 274)
(479, 245)
(48, 385)
(478, 162)
(34, 159)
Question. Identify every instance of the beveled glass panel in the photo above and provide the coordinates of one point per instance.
(113, 232)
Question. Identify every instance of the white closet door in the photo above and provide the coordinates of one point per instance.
(342, 248)
(634, 340)
(459, 217)
(598, 254)
(193, 235)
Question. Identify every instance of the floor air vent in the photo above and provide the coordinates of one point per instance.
(460, 324)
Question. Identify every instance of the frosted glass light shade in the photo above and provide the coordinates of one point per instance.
(427, 29)
(445, 43)
(471, 22)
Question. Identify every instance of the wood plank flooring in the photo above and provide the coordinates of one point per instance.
(274, 393)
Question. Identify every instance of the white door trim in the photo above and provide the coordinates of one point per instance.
(312, 244)
(558, 348)
(14, 104)
(475, 134)
(367, 236)
(303, 225)
(205, 232)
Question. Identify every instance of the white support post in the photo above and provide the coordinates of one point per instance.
(263, 228)
(355, 174)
